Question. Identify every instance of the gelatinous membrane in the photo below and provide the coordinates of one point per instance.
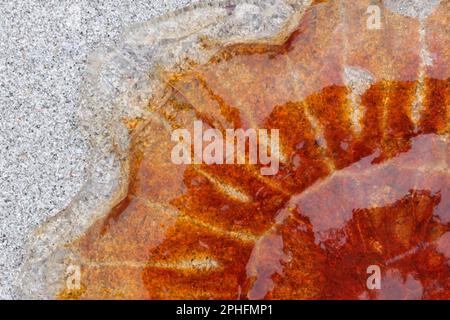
(351, 192)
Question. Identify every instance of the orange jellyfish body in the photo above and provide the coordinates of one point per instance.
(348, 194)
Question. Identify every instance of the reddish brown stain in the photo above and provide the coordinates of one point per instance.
(174, 215)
